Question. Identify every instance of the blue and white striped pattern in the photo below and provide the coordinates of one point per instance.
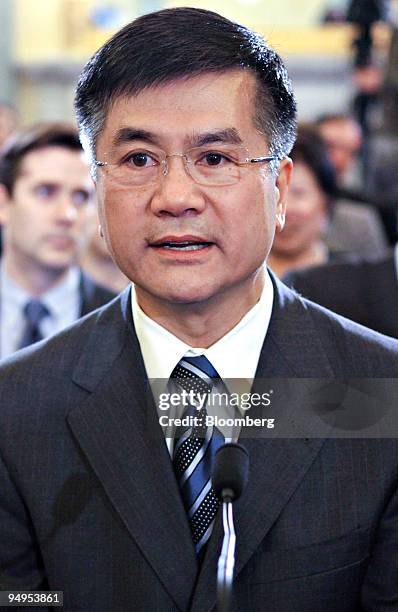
(195, 449)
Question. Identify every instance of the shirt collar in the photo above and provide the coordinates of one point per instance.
(235, 355)
(56, 299)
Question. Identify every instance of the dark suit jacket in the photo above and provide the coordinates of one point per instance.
(364, 291)
(92, 295)
(89, 503)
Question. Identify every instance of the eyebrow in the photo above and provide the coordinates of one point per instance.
(129, 134)
(227, 135)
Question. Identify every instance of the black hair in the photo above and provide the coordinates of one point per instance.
(311, 150)
(179, 43)
(31, 139)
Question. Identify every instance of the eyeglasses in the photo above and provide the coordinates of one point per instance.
(210, 167)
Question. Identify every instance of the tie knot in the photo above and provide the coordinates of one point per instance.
(195, 374)
(35, 311)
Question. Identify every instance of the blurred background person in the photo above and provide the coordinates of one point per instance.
(302, 242)
(45, 195)
(356, 227)
(342, 135)
(367, 72)
(97, 261)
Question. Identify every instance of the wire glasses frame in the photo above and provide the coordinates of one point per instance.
(208, 167)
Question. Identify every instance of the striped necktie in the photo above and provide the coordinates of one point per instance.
(195, 449)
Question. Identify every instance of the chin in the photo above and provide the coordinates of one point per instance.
(182, 294)
(57, 266)
(189, 297)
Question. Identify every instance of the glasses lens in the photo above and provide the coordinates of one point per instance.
(218, 166)
(137, 167)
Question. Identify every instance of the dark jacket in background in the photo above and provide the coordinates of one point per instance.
(92, 295)
(364, 291)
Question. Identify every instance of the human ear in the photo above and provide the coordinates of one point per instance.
(282, 186)
(5, 202)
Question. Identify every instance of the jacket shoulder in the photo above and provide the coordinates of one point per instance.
(360, 351)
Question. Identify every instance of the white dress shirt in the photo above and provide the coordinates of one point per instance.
(63, 302)
(235, 356)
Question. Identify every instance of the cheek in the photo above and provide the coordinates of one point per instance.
(122, 225)
(111, 212)
(31, 224)
(253, 227)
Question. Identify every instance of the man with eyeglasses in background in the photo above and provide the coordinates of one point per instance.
(45, 196)
(188, 119)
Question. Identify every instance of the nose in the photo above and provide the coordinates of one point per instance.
(176, 193)
(66, 211)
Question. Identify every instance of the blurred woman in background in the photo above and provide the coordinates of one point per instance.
(309, 206)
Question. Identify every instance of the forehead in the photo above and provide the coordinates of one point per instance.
(182, 108)
(342, 130)
(54, 163)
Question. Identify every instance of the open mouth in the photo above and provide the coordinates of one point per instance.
(184, 246)
(181, 243)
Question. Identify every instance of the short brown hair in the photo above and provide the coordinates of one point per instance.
(31, 139)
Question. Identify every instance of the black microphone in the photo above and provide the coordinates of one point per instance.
(229, 479)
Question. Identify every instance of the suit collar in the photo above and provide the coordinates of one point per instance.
(162, 350)
(112, 329)
(292, 346)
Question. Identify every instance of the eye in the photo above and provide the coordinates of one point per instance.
(140, 159)
(81, 197)
(46, 191)
(214, 158)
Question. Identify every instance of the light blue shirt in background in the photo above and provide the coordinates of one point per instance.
(63, 302)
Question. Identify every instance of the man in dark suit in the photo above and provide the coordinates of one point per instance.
(365, 291)
(45, 197)
(189, 119)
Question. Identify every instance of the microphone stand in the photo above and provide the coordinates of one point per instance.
(226, 560)
(229, 478)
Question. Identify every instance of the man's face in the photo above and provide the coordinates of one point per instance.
(343, 140)
(45, 217)
(233, 225)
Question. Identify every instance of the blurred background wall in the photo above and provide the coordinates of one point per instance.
(46, 42)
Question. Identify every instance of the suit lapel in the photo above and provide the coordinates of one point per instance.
(117, 429)
(277, 465)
